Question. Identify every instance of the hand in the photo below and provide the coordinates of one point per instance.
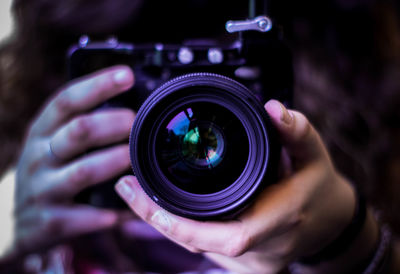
(53, 168)
(295, 217)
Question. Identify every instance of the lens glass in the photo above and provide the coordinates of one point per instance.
(202, 147)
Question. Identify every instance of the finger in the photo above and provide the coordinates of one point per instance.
(82, 95)
(227, 238)
(299, 137)
(136, 228)
(40, 227)
(91, 130)
(67, 181)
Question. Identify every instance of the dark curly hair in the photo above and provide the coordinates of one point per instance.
(346, 64)
(347, 71)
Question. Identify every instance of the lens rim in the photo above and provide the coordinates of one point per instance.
(184, 90)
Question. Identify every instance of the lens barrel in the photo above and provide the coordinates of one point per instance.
(202, 146)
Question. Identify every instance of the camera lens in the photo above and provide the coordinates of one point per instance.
(197, 146)
(202, 146)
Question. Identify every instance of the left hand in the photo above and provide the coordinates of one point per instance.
(53, 166)
(296, 217)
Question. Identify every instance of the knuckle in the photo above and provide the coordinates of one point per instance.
(81, 129)
(32, 167)
(183, 236)
(81, 173)
(239, 243)
(297, 218)
(63, 102)
(35, 156)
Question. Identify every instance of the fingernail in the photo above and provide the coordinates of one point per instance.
(161, 220)
(125, 191)
(278, 111)
(121, 77)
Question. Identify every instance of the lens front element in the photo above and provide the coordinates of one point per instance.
(202, 147)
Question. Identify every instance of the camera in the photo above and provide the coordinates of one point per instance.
(202, 145)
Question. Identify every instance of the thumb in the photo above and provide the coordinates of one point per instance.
(297, 135)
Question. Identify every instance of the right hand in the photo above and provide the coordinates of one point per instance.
(53, 168)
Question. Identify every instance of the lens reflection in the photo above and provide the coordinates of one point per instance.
(203, 145)
(203, 148)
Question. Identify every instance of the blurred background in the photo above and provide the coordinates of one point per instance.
(6, 182)
(5, 18)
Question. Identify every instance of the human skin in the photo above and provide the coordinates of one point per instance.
(296, 217)
(52, 170)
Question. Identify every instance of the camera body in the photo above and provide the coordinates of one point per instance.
(259, 60)
(253, 65)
